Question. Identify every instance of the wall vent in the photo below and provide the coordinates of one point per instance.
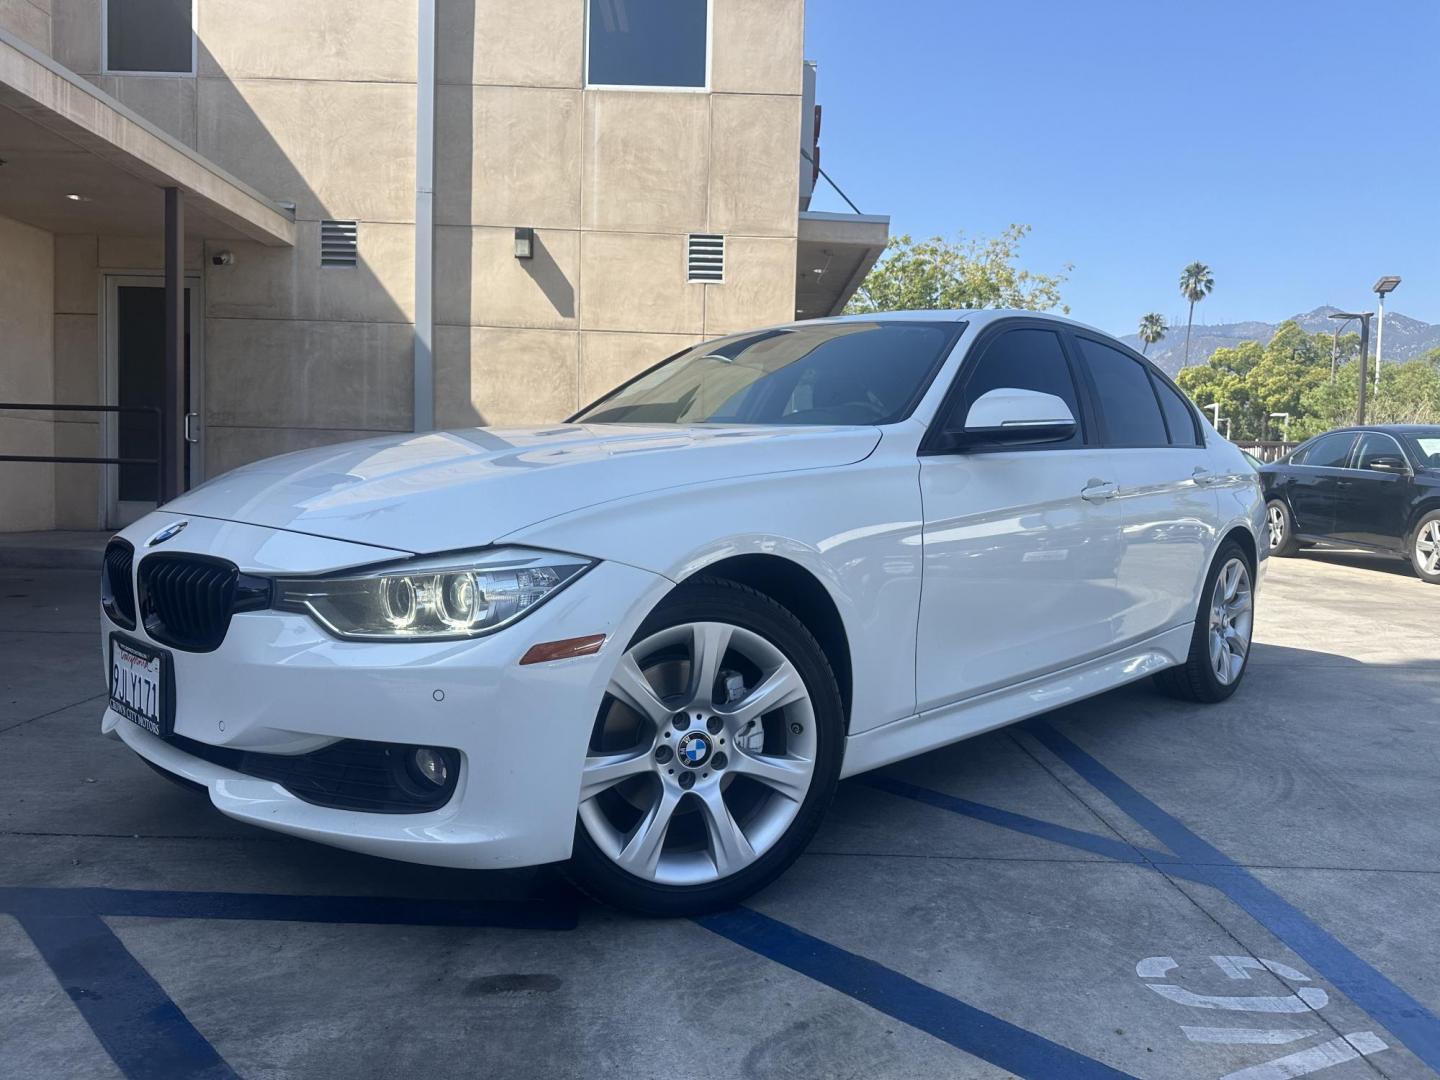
(338, 243)
(707, 258)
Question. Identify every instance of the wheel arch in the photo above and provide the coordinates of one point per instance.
(799, 591)
(1246, 540)
(1427, 506)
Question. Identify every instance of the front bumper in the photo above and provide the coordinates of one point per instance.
(279, 684)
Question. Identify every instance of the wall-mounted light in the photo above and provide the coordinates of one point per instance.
(75, 197)
(525, 243)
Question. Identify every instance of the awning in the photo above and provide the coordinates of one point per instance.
(61, 136)
(836, 251)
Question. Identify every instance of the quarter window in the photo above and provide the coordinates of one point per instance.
(1329, 451)
(1127, 402)
(152, 36)
(1178, 417)
(663, 43)
(1024, 359)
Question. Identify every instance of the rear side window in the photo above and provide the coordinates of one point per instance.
(1329, 451)
(1021, 359)
(1127, 402)
(1178, 417)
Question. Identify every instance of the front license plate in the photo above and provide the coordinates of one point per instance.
(141, 684)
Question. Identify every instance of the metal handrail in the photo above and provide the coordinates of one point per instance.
(59, 459)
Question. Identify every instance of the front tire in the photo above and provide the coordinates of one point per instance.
(1425, 548)
(1280, 528)
(715, 753)
(1220, 646)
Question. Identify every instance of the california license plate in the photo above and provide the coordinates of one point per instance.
(141, 684)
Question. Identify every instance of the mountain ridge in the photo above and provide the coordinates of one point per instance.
(1405, 338)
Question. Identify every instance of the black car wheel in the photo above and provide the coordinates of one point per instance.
(1280, 527)
(1425, 548)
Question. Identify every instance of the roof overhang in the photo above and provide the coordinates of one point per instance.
(835, 253)
(60, 135)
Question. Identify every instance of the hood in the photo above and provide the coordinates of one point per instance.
(442, 491)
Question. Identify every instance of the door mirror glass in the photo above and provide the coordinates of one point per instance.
(1387, 463)
(1011, 416)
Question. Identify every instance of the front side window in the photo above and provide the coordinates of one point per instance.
(1329, 451)
(661, 43)
(835, 373)
(151, 36)
(1374, 444)
(1127, 402)
(1021, 359)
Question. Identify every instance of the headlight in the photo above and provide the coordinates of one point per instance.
(450, 596)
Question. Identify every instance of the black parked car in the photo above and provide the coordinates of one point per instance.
(1374, 487)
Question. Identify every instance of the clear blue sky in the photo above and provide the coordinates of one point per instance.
(1293, 146)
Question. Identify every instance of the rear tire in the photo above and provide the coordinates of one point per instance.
(1220, 645)
(688, 803)
(1280, 529)
(1425, 548)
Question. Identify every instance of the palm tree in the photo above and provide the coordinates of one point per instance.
(1196, 283)
(1152, 329)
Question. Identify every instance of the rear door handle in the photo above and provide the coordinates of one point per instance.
(1099, 491)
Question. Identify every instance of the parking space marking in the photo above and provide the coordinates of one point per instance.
(949, 1019)
(138, 1024)
(1247, 1036)
(1194, 859)
(1304, 1062)
(1306, 999)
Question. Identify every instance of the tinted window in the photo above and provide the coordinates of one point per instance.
(1022, 360)
(647, 42)
(1329, 451)
(1178, 417)
(148, 35)
(835, 373)
(1373, 445)
(1132, 415)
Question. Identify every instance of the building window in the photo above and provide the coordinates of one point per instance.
(649, 43)
(150, 37)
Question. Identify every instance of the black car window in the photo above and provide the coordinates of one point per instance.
(1375, 444)
(1178, 417)
(1127, 402)
(1329, 451)
(1021, 359)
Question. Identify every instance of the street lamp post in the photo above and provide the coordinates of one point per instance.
(1215, 405)
(1364, 317)
(1382, 288)
(1284, 418)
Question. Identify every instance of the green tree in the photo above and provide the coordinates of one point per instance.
(1152, 329)
(1196, 283)
(943, 274)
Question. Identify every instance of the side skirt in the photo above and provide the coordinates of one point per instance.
(905, 738)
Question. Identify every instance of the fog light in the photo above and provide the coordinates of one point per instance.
(431, 765)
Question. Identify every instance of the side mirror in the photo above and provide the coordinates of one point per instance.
(1387, 463)
(1013, 417)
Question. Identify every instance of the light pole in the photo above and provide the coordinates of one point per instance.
(1284, 418)
(1364, 317)
(1381, 288)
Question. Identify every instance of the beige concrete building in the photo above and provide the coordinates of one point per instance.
(612, 180)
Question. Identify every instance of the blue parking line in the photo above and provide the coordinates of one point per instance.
(141, 1028)
(1197, 860)
(946, 1018)
(143, 1031)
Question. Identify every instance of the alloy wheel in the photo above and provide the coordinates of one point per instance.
(1427, 547)
(702, 754)
(1275, 518)
(1231, 621)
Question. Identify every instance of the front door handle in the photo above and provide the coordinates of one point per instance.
(190, 435)
(1202, 475)
(1099, 491)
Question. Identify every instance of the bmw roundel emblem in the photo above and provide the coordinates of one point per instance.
(167, 533)
(694, 749)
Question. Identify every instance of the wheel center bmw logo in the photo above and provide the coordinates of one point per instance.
(694, 749)
(166, 533)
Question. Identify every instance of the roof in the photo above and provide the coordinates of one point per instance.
(1392, 429)
(975, 316)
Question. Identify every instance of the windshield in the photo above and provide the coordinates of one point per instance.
(1428, 450)
(827, 373)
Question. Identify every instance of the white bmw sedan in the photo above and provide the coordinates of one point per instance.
(650, 640)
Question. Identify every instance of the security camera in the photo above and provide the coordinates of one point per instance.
(223, 258)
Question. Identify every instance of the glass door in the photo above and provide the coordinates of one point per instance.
(135, 375)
